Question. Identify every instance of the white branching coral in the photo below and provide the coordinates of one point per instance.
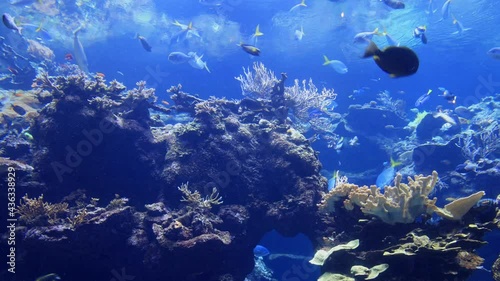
(195, 198)
(311, 108)
(258, 83)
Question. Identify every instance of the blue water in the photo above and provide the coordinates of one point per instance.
(458, 62)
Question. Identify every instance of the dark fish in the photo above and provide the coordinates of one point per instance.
(18, 109)
(144, 43)
(397, 61)
(394, 4)
(451, 98)
(419, 32)
(423, 37)
(488, 202)
(252, 50)
(49, 277)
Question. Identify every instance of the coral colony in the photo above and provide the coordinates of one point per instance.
(179, 218)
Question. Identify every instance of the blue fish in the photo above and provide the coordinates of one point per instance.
(333, 180)
(423, 98)
(387, 175)
(260, 251)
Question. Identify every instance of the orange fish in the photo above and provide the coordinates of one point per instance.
(165, 102)
(100, 74)
(68, 57)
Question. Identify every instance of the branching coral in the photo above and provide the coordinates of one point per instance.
(304, 97)
(35, 211)
(402, 203)
(196, 199)
(258, 83)
(481, 145)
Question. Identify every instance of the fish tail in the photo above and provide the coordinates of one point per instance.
(371, 50)
(375, 31)
(303, 3)
(327, 61)
(395, 163)
(257, 31)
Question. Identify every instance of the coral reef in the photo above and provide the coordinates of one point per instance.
(401, 203)
(97, 137)
(250, 170)
(496, 270)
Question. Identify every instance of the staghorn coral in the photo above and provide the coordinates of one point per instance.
(196, 199)
(401, 203)
(35, 211)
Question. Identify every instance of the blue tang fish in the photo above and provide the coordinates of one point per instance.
(260, 251)
(387, 175)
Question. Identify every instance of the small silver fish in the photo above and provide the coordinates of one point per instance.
(9, 22)
(365, 37)
(197, 62)
(178, 57)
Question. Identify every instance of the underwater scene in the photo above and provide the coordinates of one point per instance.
(250, 140)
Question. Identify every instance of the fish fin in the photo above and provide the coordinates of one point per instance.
(395, 163)
(206, 67)
(190, 26)
(257, 31)
(429, 92)
(327, 61)
(39, 27)
(371, 50)
(392, 75)
(176, 23)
